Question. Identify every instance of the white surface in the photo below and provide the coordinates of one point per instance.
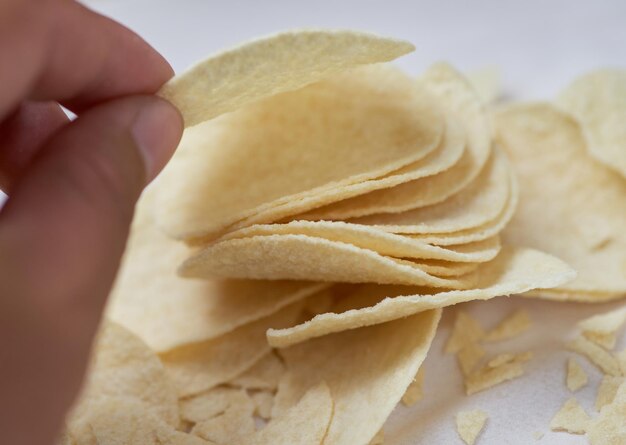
(539, 47)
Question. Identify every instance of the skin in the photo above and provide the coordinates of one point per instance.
(72, 189)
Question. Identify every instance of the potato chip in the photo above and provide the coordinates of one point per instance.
(481, 202)
(263, 403)
(413, 394)
(466, 330)
(208, 404)
(571, 418)
(295, 151)
(265, 374)
(598, 101)
(305, 257)
(469, 356)
(513, 271)
(469, 425)
(123, 366)
(609, 427)
(513, 325)
(596, 355)
(456, 95)
(500, 369)
(508, 357)
(270, 65)
(487, 83)
(196, 367)
(608, 389)
(385, 243)
(560, 206)
(304, 423)
(228, 427)
(576, 376)
(167, 311)
(602, 328)
(367, 370)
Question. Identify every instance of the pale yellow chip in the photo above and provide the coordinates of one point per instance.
(265, 374)
(512, 326)
(602, 328)
(608, 389)
(466, 330)
(469, 356)
(576, 376)
(487, 83)
(208, 404)
(167, 311)
(270, 65)
(487, 377)
(598, 101)
(263, 403)
(596, 355)
(367, 370)
(383, 242)
(230, 426)
(568, 295)
(515, 270)
(296, 151)
(479, 203)
(560, 208)
(571, 418)
(304, 423)
(301, 257)
(609, 427)
(469, 424)
(124, 366)
(414, 393)
(196, 367)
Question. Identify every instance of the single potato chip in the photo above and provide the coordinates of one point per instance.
(197, 367)
(466, 330)
(167, 311)
(469, 356)
(596, 355)
(561, 207)
(515, 270)
(270, 65)
(608, 390)
(512, 326)
(598, 101)
(367, 370)
(486, 377)
(571, 418)
(457, 96)
(296, 151)
(576, 376)
(469, 424)
(602, 328)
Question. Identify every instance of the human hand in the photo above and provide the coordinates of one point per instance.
(72, 189)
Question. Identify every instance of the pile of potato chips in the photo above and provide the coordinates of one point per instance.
(286, 273)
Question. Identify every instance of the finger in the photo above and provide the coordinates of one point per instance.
(62, 233)
(23, 133)
(79, 59)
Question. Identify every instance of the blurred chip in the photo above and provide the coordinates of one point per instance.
(576, 375)
(469, 424)
(571, 418)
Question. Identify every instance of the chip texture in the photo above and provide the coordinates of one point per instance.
(469, 424)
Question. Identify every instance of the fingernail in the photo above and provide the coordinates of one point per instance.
(157, 130)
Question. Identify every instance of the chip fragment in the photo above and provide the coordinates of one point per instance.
(469, 425)
(513, 325)
(602, 328)
(501, 369)
(414, 393)
(607, 390)
(596, 354)
(571, 418)
(576, 376)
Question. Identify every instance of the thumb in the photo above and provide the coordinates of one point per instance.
(62, 233)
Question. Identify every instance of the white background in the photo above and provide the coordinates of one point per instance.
(539, 46)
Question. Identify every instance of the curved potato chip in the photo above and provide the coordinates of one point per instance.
(124, 366)
(197, 367)
(270, 65)
(479, 203)
(445, 268)
(487, 83)
(568, 203)
(385, 243)
(367, 370)
(513, 271)
(346, 129)
(598, 101)
(306, 257)
(167, 311)
(457, 95)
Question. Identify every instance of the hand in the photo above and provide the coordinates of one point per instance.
(72, 188)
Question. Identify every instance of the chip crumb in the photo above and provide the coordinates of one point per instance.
(609, 426)
(501, 359)
(466, 330)
(415, 391)
(596, 354)
(469, 424)
(263, 402)
(537, 435)
(378, 439)
(602, 328)
(576, 375)
(469, 356)
(571, 418)
(607, 390)
(511, 326)
(487, 377)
